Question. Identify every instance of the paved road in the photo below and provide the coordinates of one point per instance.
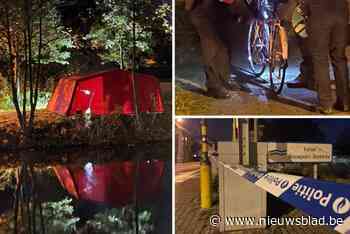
(186, 171)
(186, 167)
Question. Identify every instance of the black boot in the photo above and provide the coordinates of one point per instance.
(232, 85)
(341, 106)
(216, 88)
(218, 92)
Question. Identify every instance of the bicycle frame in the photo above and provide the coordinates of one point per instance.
(270, 42)
(266, 13)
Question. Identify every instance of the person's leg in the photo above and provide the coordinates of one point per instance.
(306, 70)
(338, 57)
(202, 19)
(319, 35)
(305, 79)
(210, 45)
(214, 52)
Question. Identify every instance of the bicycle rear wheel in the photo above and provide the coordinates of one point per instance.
(278, 59)
(258, 46)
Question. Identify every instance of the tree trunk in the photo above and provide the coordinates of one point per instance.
(28, 12)
(12, 76)
(121, 65)
(134, 84)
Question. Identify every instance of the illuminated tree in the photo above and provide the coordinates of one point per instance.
(30, 36)
(113, 35)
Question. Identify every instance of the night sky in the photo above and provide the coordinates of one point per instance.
(221, 129)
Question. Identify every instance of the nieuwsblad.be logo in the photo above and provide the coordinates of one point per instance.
(340, 205)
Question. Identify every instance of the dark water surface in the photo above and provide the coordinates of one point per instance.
(101, 182)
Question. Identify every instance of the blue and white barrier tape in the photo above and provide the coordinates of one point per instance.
(316, 198)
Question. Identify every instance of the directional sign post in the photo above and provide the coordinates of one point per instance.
(299, 152)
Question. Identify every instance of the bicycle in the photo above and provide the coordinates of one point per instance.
(267, 42)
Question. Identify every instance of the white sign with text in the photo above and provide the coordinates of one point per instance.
(299, 152)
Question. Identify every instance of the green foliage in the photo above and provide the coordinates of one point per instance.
(120, 221)
(161, 17)
(43, 99)
(58, 50)
(6, 103)
(56, 40)
(6, 178)
(59, 217)
(113, 35)
(31, 36)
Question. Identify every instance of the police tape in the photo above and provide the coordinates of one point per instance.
(317, 198)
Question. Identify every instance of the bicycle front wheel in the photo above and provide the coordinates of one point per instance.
(258, 46)
(278, 59)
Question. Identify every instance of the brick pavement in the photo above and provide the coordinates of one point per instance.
(189, 217)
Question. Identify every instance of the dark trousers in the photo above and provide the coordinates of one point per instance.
(306, 70)
(327, 29)
(204, 17)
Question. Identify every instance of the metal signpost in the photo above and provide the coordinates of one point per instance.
(235, 133)
(205, 175)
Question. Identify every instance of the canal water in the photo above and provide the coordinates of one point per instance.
(96, 194)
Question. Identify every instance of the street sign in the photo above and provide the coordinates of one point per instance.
(298, 152)
(327, 201)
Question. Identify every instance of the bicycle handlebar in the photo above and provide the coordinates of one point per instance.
(249, 2)
(255, 5)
